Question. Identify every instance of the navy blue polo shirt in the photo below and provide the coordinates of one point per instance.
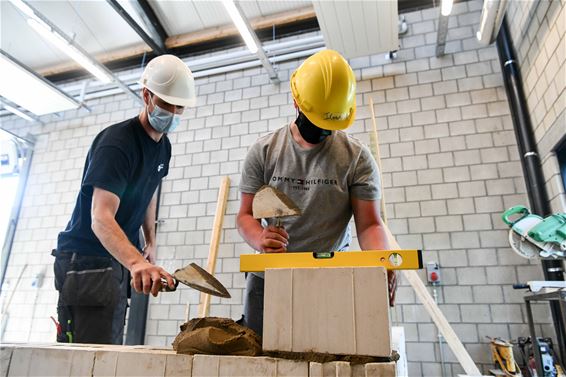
(126, 161)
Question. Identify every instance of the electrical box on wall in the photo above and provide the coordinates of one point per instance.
(433, 273)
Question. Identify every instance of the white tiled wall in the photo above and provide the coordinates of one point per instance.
(541, 47)
(450, 167)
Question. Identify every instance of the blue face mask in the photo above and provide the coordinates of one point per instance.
(161, 120)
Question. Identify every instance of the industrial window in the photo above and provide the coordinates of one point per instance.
(15, 158)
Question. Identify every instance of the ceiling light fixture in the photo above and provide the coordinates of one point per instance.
(17, 112)
(23, 87)
(54, 38)
(60, 41)
(446, 7)
(240, 25)
(491, 18)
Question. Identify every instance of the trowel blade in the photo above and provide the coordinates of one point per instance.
(269, 202)
(198, 278)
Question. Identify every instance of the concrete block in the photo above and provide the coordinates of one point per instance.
(418, 91)
(105, 363)
(380, 369)
(140, 364)
(206, 366)
(431, 103)
(336, 369)
(475, 313)
(315, 370)
(448, 223)
(444, 191)
(508, 313)
(427, 146)
(247, 366)
(82, 363)
(409, 163)
(343, 369)
(5, 356)
(445, 87)
(290, 368)
(313, 328)
(277, 333)
(398, 339)
(327, 310)
(20, 362)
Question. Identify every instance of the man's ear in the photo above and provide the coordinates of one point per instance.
(145, 96)
(295, 104)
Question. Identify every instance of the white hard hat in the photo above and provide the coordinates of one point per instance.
(170, 79)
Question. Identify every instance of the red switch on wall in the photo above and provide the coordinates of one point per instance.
(433, 273)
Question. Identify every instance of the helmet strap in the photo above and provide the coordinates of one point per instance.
(311, 133)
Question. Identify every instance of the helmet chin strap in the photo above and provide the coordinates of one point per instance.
(311, 133)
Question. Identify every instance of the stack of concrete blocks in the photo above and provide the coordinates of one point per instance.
(92, 360)
(342, 311)
(107, 360)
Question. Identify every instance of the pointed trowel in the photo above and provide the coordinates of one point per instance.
(271, 203)
(198, 278)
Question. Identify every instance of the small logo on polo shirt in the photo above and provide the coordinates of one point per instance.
(160, 167)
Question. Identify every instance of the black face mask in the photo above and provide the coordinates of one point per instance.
(311, 133)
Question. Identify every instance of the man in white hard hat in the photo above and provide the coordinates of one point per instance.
(118, 195)
(328, 174)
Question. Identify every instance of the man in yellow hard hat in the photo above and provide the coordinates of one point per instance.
(327, 173)
(118, 195)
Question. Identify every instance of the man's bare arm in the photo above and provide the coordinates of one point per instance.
(146, 277)
(371, 234)
(148, 228)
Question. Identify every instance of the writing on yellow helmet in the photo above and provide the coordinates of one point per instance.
(324, 88)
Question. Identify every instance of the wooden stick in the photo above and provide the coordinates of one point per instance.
(215, 241)
(422, 293)
(436, 314)
(377, 156)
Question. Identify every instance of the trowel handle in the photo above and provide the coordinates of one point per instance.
(521, 210)
(165, 286)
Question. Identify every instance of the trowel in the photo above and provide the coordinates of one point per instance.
(270, 203)
(198, 278)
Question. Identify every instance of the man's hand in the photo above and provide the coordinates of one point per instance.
(146, 278)
(149, 253)
(273, 240)
(392, 280)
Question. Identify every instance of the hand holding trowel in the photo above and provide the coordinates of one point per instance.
(196, 277)
(270, 203)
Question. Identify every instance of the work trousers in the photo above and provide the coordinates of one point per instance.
(253, 303)
(93, 298)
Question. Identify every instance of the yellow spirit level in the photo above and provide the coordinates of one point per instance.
(390, 259)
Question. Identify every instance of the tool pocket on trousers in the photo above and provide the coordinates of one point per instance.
(94, 287)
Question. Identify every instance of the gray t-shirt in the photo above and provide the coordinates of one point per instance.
(320, 180)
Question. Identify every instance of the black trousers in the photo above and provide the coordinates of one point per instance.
(253, 303)
(93, 298)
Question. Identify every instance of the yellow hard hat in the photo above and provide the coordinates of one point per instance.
(324, 88)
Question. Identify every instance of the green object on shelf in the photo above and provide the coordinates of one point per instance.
(531, 236)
